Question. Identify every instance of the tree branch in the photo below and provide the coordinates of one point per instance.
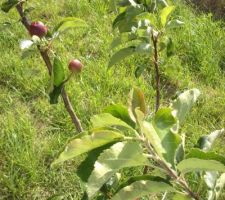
(179, 180)
(70, 110)
(171, 172)
(157, 76)
(157, 80)
(45, 57)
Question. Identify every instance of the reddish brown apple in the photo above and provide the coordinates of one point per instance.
(38, 29)
(75, 66)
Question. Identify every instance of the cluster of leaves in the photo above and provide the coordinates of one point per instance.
(141, 24)
(8, 5)
(28, 47)
(124, 137)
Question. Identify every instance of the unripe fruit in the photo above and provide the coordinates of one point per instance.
(38, 29)
(75, 66)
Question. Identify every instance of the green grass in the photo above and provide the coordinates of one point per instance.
(32, 132)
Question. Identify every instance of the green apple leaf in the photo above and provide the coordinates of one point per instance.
(86, 167)
(179, 196)
(136, 100)
(174, 24)
(210, 179)
(140, 178)
(144, 48)
(8, 5)
(112, 184)
(126, 26)
(162, 2)
(58, 72)
(143, 24)
(183, 104)
(164, 14)
(220, 183)
(140, 186)
(206, 142)
(124, 3)
(170, 48)
(121, 54)
(150, 133)
(152, 18)
(119, 156)
(133, 11)
(87, 143)
(139, 70)
(121, 112)
(57, 78)
(55, 93)
(162, 124)
(119, 18)
(198, 160)
(197, 153)
(197, 164)
(160, 135)
(69, 22)
(123, 38)
(108, 120)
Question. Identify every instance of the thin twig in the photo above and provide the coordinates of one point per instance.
(45, 57)
(157, 76)
(70, 110)
(178, 179)
(157, 80)
(170, 171)
(24, 19)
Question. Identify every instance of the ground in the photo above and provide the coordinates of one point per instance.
(32, 132)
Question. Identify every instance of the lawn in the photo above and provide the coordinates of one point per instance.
(33, 132)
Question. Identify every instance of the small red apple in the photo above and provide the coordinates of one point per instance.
(75, 66)
(38, 29)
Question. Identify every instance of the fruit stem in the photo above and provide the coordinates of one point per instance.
(45, 57)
